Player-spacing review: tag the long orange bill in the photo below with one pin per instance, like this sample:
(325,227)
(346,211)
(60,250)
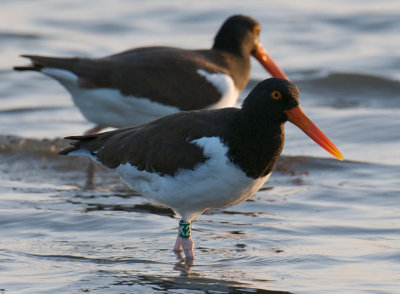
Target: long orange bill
(265,59)
(298,117)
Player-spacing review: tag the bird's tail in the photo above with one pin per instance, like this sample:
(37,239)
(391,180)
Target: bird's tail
(86,143)
(40,62)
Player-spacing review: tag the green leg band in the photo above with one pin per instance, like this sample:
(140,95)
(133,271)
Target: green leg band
(185,229)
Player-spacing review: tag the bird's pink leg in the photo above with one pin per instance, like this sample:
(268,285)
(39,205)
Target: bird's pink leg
(89,185)
(178,248)
(184,241)
(91,167)
(188,245)
(178,244)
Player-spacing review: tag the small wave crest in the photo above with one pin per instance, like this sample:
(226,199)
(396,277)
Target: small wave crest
(346,90)
(19,145)
(7,36)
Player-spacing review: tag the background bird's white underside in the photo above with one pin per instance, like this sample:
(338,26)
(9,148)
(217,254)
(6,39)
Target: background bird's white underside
(108,107)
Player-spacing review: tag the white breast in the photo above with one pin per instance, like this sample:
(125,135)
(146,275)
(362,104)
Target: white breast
(216,183)
(225,85)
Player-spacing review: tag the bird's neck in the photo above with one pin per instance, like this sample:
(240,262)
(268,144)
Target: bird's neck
(238,66)
(256,146)
(232,45)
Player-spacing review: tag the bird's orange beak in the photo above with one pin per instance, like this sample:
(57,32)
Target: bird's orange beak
(298,117)
(265,59)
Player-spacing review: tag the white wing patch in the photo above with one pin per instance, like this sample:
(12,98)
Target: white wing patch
(225,85)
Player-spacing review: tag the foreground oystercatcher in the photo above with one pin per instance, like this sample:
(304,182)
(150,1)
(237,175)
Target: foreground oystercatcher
(143,84)
(197,160)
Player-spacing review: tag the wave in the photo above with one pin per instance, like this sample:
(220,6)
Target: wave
(7,36)
(346,90)
(22,110)
(10,144)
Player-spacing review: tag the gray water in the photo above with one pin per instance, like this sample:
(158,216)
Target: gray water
(317,226)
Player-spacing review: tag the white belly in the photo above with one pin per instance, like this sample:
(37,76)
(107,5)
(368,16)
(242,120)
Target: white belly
(217,183)
(107,107)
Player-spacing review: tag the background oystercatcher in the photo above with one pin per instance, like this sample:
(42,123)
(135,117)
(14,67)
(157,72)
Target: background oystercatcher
(197,160)
(143,84)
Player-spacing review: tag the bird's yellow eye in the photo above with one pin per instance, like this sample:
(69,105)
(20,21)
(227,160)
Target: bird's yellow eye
(276,95)
(256,30)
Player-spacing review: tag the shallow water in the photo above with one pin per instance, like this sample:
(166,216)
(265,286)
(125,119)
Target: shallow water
(318,225)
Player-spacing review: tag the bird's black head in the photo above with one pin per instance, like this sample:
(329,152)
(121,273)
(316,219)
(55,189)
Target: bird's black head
(274,101)
(270,99)
(238,35)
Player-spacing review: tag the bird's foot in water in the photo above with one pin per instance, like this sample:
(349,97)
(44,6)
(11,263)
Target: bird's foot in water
(187,245)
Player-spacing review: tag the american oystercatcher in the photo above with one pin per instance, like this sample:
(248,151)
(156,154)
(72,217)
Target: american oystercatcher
(197,160)
(143,84)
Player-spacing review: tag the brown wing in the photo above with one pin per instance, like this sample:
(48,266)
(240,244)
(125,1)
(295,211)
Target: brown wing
(161,146)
